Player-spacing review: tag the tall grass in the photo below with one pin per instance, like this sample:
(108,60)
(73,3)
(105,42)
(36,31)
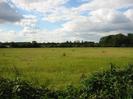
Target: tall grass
(110,84)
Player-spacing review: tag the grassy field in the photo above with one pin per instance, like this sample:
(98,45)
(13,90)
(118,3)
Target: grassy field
(58,67)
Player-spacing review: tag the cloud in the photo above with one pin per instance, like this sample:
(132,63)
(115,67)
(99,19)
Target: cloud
(28,21)
(62,14)
(68,14)
(39,5)
(108,15)
(8,13)
(100,21)
(129,14)
(89,21)
(7,36)
(111,4)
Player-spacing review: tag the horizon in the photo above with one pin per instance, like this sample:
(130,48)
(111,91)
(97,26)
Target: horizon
(63,41)
(64,20)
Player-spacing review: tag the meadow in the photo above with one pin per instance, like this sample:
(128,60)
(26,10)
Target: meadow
(59,67)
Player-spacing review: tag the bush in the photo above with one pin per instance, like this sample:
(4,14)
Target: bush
(111,84)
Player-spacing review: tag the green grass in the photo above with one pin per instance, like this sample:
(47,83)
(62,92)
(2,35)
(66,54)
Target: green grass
(58,67)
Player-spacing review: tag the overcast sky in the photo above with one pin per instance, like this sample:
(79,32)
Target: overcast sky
(64,20)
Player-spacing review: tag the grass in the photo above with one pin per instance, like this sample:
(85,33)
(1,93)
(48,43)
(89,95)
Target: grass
(58,67)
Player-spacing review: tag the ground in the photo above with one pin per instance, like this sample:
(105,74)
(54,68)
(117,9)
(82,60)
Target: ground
(58,67)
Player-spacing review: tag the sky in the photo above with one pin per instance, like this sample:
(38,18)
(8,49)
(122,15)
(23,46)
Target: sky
(64,20)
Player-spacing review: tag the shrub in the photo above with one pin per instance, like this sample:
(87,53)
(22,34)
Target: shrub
(64,54)
(111,84)
(6,89)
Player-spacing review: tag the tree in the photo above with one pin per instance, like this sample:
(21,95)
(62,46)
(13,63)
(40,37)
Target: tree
(118,40)
(130,39)
(35,44)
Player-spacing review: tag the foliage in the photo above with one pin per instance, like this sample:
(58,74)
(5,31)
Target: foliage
(110,84)
(118,40)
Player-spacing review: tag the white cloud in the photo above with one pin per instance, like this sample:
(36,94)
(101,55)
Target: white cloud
(7,36)
(40,36)
(63,13)
(108,15)
(28,21)
(39,5)
(111,4)
(129,14)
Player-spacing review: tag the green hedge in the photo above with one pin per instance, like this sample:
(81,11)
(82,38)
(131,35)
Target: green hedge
(111,84)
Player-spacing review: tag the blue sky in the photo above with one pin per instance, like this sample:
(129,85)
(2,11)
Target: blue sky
(64,20)
(75,3)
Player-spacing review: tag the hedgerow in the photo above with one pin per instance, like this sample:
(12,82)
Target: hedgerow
(110,84)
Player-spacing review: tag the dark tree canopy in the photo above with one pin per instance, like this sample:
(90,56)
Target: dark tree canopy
(118,40)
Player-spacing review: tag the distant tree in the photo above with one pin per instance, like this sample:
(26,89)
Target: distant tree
(35,44)
(118,40)
(130,39)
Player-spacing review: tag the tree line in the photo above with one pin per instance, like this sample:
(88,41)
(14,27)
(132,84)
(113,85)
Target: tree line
(118,40)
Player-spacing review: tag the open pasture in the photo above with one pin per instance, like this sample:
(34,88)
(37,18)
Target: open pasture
(58,67)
